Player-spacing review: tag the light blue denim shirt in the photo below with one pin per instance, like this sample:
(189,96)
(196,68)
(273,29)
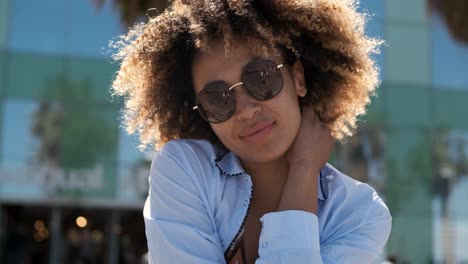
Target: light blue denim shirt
(199,196)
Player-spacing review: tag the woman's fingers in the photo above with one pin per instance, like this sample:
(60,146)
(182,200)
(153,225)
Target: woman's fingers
(313,143)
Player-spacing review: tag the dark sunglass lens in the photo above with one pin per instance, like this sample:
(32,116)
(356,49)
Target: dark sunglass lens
(215,103)
(262,79)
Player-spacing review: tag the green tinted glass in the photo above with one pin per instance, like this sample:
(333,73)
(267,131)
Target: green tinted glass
(450,109)
(407,53)
(94,76)
(4,8)
(35,76)
(408,105)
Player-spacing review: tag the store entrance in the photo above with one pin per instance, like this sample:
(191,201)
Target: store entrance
(49,235)
(25,234)
(85,235)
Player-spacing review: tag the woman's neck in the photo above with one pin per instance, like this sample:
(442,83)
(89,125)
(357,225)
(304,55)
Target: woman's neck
(268,181)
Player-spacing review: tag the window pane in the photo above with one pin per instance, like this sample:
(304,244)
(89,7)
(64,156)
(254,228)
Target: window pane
(90,135)
(408,106)
(52,150)
(450,212)
(406,11)
(374,7)
(450,59)
(409,194)
(362,157)
(89,148)
(133,182)
(407,54)
(375,29)
(94,77)
(4,16)
(128,148)
(39,26)
(2,71)
(376,110)
(408,155)
(19,144)
(450,109)
(92,27)
(134,168)
(35,76)
(20,148)
(375,26)
(411,237)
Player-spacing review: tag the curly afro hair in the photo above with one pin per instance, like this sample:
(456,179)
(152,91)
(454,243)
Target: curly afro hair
(156,59)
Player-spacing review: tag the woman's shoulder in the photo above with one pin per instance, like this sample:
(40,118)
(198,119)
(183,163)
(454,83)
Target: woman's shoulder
(190,147)
(360,197)
(353,214)
(189,161)
(195,157)
(340,179)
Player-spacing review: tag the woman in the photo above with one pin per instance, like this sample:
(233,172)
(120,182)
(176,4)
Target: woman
(246,99)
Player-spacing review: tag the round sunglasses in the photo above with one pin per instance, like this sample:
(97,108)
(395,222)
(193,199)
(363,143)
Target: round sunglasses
(262,79)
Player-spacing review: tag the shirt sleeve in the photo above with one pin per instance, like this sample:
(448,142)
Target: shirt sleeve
(293,237)
(178,226)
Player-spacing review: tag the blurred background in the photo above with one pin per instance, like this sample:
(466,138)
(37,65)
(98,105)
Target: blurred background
(73,184)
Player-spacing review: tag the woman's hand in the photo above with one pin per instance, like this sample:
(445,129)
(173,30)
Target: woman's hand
(313,144)
(306,156)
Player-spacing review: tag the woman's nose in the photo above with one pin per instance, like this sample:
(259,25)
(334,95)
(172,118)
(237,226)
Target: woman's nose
(246,106)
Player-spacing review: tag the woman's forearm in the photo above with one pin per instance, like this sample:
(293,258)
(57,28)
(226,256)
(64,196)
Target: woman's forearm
(301,190)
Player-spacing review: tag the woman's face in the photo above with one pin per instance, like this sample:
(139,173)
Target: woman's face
(258,131)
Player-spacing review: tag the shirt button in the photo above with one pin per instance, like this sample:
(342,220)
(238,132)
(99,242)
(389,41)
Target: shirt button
(265,244)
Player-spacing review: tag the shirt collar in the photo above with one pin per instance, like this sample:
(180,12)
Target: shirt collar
(230,165)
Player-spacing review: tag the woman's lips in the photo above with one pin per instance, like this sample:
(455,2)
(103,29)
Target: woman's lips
(258,132)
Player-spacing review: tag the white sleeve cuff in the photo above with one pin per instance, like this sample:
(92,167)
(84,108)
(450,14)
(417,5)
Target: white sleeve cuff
(288,230)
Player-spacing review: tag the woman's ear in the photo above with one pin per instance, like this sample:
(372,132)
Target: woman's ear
(299,79)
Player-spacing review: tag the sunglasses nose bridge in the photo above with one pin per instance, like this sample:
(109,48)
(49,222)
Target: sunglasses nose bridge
(246,105)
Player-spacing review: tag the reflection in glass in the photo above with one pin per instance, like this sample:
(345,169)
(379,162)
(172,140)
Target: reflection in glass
(91,28)
(98,76)
(35,76)
(58,148)
(39,26)
(362,157)
(19,146)
(134,169)
(31,149)
(4,17)
(3,67)
(450,212)
(47,126)
(450,58)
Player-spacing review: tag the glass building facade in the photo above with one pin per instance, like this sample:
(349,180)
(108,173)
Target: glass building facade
(62,153)
(72,183)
